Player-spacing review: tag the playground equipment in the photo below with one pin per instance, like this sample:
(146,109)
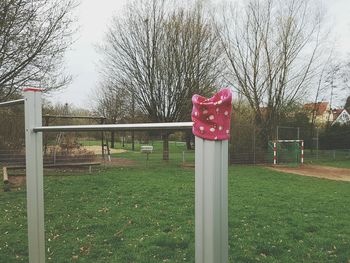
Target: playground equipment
(105,151)
(211,168)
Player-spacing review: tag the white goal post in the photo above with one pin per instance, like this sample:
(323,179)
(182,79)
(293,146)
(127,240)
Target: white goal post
(276,142)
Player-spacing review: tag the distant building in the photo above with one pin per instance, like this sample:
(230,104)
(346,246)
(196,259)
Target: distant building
(341,116)
(322,111)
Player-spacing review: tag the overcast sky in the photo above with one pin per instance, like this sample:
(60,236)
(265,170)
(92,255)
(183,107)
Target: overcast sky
(95,16)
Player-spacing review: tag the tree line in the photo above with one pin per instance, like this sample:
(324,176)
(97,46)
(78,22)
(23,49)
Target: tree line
(158,53)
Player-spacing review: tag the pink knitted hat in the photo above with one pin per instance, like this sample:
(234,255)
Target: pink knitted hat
(212,116)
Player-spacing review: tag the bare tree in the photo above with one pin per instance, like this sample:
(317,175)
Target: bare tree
(272,47)
(163,55)
(112,102)
(34,36)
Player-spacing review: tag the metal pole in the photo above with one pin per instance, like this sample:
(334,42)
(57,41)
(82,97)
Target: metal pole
(11,103)
(211,201)
(298,133)
(117,127)
(34,175)
(275,153)
(317,146)
(254,147)
(102,141)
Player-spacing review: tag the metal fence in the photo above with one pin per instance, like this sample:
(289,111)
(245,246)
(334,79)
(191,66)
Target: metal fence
(321,144)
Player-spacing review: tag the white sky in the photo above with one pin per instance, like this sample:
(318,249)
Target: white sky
(95,16)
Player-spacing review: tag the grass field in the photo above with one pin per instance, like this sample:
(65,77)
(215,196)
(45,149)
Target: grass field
(146,214)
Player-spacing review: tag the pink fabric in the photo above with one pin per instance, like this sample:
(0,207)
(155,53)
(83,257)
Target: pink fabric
(212,116)
(34,89)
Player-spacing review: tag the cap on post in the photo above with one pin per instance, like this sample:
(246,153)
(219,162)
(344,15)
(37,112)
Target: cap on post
(33,89)
(212,116)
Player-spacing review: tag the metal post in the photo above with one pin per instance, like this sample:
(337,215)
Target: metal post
(317,145)
(254,147)
(34,175)
(102,141)
(275,153)
(302,152)
(298,133)
(211,201)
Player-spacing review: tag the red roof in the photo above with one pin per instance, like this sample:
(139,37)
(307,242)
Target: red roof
(336,113)
(319,107)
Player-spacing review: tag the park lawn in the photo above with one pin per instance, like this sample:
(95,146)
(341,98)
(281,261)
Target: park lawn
(90,142)
(146,214)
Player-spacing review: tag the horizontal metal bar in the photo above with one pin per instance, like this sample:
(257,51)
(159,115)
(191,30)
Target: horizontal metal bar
(11,103)
(288,141)
(117,127)
(287,127)
(73,117)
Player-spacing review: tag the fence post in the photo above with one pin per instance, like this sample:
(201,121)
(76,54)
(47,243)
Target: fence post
(211,201)
(317,145)
(34,176)
(254,146)
(298,133)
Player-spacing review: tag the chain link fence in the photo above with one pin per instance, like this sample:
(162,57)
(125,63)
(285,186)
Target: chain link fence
(325,144)
(246,146)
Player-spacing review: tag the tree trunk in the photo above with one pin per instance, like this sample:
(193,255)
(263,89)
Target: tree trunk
(188,140)
(133,140)
(165,146)
(112,139)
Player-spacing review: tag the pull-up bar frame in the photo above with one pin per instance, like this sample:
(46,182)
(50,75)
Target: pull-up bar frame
(211,186)
(11,103)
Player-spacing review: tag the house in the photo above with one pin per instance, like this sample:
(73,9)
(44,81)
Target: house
(341,116)
(322,111)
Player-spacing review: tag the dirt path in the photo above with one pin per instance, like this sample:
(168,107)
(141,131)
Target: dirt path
(97,149)
(326,172)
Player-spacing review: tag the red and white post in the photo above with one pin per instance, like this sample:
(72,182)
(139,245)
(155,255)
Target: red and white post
(302,153)
(274,153)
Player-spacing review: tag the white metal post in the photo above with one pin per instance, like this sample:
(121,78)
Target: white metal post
(34,176)
(275,153)
(211,201)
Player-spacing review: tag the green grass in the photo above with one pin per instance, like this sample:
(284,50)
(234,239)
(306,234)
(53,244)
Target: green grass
(90,142)
(337,158)
(146,214)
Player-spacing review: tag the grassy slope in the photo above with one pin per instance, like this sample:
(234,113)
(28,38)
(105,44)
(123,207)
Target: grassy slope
(146,214)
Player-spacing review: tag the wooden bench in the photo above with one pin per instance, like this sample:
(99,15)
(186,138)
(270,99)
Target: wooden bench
(18,167)
(49,165)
